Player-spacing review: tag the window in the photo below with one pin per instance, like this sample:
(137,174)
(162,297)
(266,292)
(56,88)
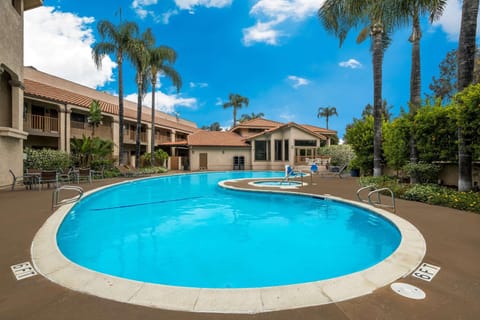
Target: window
(77,117)
(262,150)
(278,150)
(286,157)
(305,143)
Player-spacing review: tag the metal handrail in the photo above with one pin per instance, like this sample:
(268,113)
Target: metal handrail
(56,196)
(378,201)
(371,187)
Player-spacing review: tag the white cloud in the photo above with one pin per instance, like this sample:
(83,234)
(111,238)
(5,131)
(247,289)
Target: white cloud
(198,84)
(450,21)
(191,4)
(60,43)
(219,102)
(139,6)
(287,116)
(271,14)
(262,32)
(164,102)
(298,81)
(167,15)
(350,63)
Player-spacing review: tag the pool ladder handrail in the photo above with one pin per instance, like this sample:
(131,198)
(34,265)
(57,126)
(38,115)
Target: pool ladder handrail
(378,201)
(56,196)
(288,176)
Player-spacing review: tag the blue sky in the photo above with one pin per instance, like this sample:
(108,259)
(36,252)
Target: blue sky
(275,52)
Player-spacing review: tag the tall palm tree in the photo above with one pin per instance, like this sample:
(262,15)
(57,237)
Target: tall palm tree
(327,112)
(411,11)
(377,18)
(159,57)
(139,55)
(466,63)
(235,101)
(115,40)
(94,115)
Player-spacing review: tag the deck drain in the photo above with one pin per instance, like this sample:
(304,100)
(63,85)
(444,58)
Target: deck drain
(23,270)
(408,291)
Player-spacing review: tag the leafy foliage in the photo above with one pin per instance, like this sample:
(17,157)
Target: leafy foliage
(246,117)
(386,110)
(46,159)
(215,126)
(359,136)
(395,144)
(87,150)
(422,172)
(95,115)
(327,112)
(339,154)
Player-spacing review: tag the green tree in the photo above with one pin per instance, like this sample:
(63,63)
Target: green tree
(386,111)
(139,55)
(215,126)
(253,115)
(235,101)
(161,60)
(377,19)
(466,64)
(395,142)
(88,149)
(326,112)
(94,115)
(359,136)
(114,41)
(445,87)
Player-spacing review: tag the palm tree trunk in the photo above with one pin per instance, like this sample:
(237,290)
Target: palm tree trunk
(234,116)
(466,63)
(415,84)
(120,108)
(377,32)
(152,147)
(326,120)
(139,121)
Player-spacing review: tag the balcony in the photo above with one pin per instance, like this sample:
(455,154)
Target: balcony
(78,129)
(162,139)
(129,136)
(41,125)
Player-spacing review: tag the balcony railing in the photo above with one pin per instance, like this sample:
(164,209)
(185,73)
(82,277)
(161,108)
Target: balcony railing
(129,136)
(78,129)
(41,123)
(162,139)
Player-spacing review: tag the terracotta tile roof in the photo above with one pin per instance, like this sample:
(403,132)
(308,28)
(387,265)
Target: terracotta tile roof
(288,125)
(43,85)
(258,123)
(216,138)
(319,130)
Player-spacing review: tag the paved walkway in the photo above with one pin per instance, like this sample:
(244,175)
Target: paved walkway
(453,243)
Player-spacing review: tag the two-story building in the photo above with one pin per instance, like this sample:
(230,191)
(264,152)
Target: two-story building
(12,134)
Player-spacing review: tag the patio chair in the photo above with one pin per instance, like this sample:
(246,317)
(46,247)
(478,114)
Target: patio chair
(84,174)
(25,180)
(341,170)
(65,175)
(291,173)
(124,171)
(98,174)
(47,177)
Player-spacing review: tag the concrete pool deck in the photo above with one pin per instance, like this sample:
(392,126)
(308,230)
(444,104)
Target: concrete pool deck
(452,239)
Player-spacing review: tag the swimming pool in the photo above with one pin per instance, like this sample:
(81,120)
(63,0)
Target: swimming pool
(276,183)
(297,287)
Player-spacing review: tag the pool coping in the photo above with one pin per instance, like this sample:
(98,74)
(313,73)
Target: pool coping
(51,263)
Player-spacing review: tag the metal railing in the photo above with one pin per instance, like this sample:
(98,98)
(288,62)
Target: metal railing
(378,201)
(56,202)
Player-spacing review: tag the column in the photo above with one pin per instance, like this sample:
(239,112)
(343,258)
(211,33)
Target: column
(173,139)
(17,104)
(149,137)
(116,137)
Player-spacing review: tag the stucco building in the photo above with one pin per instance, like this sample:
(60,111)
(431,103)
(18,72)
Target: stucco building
(12,134)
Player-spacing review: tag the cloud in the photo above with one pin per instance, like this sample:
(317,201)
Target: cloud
(298,81)
(350,63)
(219,102)
(167,15)
(191,4)
(287,116)
(164,102)
(60,43)
(262,32)
(272,14)
(198,84)
(139,6)
(450,21)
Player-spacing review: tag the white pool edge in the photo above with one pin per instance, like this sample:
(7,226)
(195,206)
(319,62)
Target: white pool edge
(50,262)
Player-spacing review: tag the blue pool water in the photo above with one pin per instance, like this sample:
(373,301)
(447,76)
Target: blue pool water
(278,183)
(187,231)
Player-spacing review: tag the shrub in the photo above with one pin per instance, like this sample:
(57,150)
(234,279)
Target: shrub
(46,159)
(339,154)
(423,172)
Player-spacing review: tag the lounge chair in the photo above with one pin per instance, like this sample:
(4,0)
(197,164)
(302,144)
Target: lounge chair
(84,174)
(291,173)
(124,171)
(26,180)
(341,170)
(313,168)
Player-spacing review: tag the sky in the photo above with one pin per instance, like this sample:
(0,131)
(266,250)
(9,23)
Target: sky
(274,52)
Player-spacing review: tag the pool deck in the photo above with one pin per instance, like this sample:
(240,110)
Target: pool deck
(452,237)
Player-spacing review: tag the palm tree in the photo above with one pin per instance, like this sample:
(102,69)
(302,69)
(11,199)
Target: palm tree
(158,58)
(338,17)
(236,101)
(95,115)
(253,115)
(327,112)
(139,55)
(411,11)
(466,63)
(115,40)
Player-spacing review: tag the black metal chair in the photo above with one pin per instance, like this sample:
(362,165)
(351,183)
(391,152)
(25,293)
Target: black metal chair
(25,180)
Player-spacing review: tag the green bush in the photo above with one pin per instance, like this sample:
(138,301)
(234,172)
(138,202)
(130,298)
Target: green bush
(46,159)
(423,172)
(339,154)
(153,170)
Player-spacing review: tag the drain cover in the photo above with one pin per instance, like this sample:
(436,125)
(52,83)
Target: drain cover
(408,291)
